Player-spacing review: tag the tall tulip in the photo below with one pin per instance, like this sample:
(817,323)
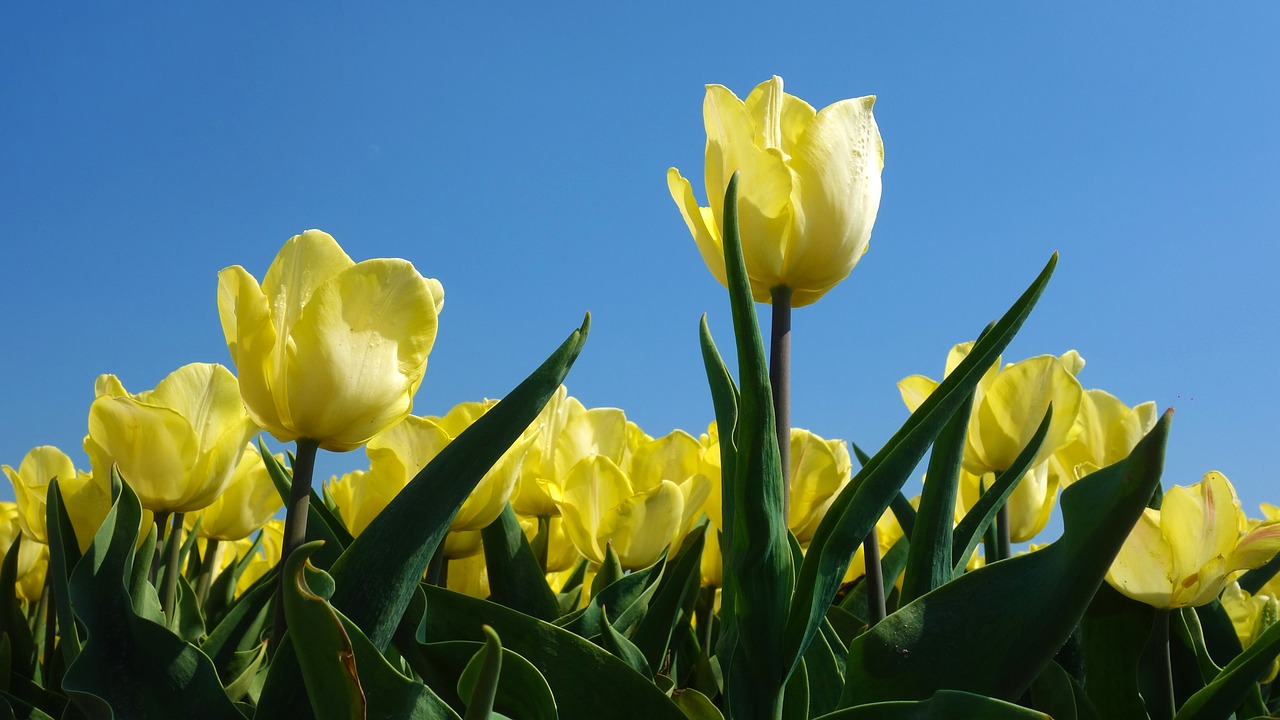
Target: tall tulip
(330,352)
(808,195)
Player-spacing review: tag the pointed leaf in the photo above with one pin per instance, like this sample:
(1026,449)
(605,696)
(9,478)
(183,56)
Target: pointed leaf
(1220,698)
(620,647)
(1114,631)
(483,680)
(670,610)
(515,578)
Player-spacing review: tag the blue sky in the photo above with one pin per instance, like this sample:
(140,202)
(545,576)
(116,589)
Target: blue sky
(519,155)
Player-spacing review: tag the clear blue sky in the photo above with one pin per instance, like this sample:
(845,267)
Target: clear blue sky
(519,155)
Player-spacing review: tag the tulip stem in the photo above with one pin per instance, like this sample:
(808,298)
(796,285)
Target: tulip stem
(208,564)
(874,579)
(161,519)
(171,570)
(438,568)
(295,525)
(1004,548)
(1163,704)
(542,541)
(780,382)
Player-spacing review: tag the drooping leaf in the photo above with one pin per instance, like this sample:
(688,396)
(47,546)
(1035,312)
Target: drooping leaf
(857,508)
(993,630)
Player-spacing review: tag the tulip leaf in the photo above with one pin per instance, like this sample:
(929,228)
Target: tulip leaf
(856,509)
(1114,631)
(345,675)
(515,578)
(695,705)
(977,521)
(12,707)
(901,507)
(1253,580)
(130,667)
(757,554)
(146,602)
(626,602)
(671,608)
(609,572)
(1186,625)
(64,553)
(1052,694)
(943,705)
(825,675)
(221,596)
(993,630)
(479,682)
(378,573)
(25,691)
(522,693)
(929,563)
(239,631)
(12,623)
(622,648)
(1232,686)
(320,523)
(564,659)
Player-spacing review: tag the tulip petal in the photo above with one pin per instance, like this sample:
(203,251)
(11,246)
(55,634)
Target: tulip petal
(204,393)
(1256,548)
(818,472)
(673,457)
(592,487)
(358,352)
(701,223)
(1200,522)
(770,107)
(1012,408)
(1141,569)
(306,262)
(837,166)
(641,526)
(915,389)
(251,339)
(153,446)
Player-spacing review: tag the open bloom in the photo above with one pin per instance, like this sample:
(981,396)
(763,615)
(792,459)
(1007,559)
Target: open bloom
(86,498)
(808,193)
(328,349)
(247,503)
(1185,553)
(176,445)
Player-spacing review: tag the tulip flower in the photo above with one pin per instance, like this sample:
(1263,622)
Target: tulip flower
(177,445)
(248,501)
(33,556)
(808,194)
(673,457)
(1250,616)
(569,432)
(1108,432)
(1185,553)
(328,350)
(86,499)
(562,556)
(601,506)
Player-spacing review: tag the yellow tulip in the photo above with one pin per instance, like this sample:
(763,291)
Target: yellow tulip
(33,556)
(266,557)
(808,193)
(601,506)
(87,501)
(462,544)
(247,502)
(178,445)
(562,556)
(568,433)
(469,575)
(674,457)
(328,350)
(1108,432)
(1251,615)
(1185,553)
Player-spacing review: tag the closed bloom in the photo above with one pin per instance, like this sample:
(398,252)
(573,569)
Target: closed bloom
(1251,615)
(248,501)
(808,193)
(328,349)
(1185,553)
(1108,432)
(176,445)
(87,500)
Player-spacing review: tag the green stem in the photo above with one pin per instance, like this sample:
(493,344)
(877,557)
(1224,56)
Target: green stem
(1004,548)
(169,599)
(50,609)
(542,541)
(874,579)
(208,565)
(161,520)
(1162,706)
(438,568)
(295,526)
(780,383)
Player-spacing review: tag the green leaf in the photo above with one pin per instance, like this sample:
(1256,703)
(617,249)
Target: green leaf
(515,578)
(480,685)
(1253,580)
(1052,693)
(1220,698)
(856,509)
(240,631)
(695,705)
(64,553)
(626,601)
(622,648)
(377,574)
(345,676)
(671,608)
(929,563)
(319,518)
(993,630)
(609,572)
(12,623)
(12,707)
(943,705)
(523,692)
(564,659)
(1114,631)
(130,667)
(757,554)
(969,531)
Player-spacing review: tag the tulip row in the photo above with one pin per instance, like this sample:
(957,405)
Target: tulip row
(535,558)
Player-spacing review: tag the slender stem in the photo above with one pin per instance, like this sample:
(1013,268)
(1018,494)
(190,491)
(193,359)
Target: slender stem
(874,579)
(1004,548)
(208,565)
(1164,704)
(542,541)
(295,525)
(169,598)
(780,382)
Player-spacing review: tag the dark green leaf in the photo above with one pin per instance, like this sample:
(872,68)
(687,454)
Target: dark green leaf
(943,705)
(240,631)
(1114,631)
(622,648)
(993,630)
(670,610)
(1051,693)
(1252,581)
(515,578)
(695,705)
(523,692)
(12,623)
(856,509)
(1220,698)
(480,685)
(64,553)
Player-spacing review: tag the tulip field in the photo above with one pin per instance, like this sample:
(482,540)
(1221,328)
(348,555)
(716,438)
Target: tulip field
(533,558)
